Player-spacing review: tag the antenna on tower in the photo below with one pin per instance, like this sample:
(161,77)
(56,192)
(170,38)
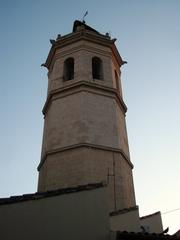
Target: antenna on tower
(86,13)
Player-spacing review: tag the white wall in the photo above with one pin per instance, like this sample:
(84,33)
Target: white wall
(126,221)
(152,223)
(73,216)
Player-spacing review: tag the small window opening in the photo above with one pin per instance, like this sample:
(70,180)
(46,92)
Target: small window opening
(117,80)
(97,68)
(69,69)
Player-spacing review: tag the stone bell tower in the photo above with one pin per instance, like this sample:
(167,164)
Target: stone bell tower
(85,138)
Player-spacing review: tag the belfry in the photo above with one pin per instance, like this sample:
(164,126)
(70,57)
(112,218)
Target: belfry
(85,137)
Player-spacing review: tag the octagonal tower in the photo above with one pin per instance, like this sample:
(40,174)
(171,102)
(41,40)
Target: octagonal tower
(85,137)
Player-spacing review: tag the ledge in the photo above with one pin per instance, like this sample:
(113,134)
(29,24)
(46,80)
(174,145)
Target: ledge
(88,145)
(84,86)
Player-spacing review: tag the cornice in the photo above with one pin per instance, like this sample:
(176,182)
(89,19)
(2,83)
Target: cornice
(82,35)
(87,145)
(81,47)
(86,87)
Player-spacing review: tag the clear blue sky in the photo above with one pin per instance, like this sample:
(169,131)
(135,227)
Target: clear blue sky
(148,36)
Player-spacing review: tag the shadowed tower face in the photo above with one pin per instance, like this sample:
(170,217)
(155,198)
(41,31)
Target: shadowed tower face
(85,138)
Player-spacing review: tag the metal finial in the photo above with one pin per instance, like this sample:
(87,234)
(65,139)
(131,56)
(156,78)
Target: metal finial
(86,13)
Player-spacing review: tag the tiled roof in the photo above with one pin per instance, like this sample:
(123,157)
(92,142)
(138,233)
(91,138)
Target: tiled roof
(40,195)
(144,236)
(177,233)
(125,210)
(150,215)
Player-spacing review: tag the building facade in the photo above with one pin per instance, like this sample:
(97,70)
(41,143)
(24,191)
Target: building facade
(85,188)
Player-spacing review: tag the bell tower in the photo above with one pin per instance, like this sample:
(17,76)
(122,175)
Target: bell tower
(85,138)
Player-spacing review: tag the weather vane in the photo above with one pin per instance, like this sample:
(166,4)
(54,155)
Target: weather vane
(86,13)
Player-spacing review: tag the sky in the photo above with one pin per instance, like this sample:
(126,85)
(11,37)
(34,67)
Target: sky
(148,38)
